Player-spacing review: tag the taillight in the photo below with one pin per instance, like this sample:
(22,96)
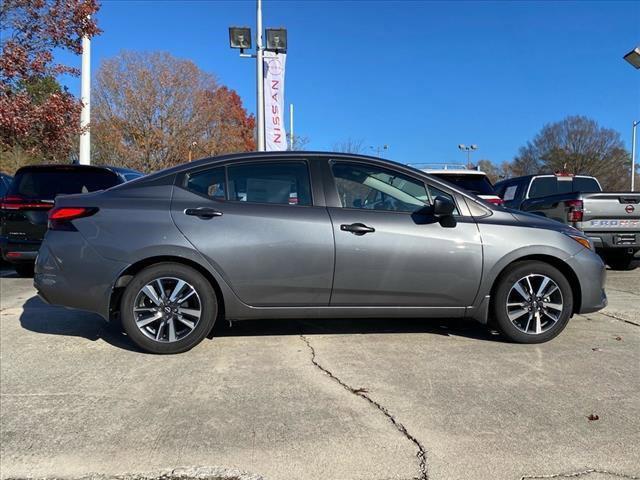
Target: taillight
(60,217)
(16,202)
(574,210)
(495,201)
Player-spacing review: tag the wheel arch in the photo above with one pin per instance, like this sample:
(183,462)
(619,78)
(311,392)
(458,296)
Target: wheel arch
(128,273)
(564,268)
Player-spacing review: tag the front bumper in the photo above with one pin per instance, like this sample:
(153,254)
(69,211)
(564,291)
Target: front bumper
(615,240)
(69,272)
(592,274)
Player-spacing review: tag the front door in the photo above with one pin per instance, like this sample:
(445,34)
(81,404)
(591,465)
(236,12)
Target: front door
(386,255)
(257,225)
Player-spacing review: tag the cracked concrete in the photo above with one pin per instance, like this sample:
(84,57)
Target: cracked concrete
(592,473)
(421,454)
(182,473)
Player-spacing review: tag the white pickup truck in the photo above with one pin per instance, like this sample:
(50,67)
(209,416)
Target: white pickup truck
(610,219)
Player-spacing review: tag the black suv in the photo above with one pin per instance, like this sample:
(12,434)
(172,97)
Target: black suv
(31,194)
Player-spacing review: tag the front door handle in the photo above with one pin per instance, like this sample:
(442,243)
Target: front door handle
(203,212)
(357,228)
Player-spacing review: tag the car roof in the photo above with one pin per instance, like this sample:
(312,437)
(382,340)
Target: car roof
(537,175)
(454,172)
(76,167)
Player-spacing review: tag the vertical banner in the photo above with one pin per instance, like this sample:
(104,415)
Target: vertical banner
(275,134)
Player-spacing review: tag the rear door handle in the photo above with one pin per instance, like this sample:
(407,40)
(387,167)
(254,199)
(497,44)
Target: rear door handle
(357,228)
(203,212)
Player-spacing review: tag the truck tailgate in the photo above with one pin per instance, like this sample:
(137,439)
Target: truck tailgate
(611,211)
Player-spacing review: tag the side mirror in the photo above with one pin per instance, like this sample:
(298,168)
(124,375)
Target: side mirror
(443,207)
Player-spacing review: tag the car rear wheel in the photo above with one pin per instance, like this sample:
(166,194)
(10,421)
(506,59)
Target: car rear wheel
(168,308)
(533,302)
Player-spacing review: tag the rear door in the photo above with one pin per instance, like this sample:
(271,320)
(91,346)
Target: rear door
(401,259)
(261,226)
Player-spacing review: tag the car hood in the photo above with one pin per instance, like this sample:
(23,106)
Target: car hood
(539,221)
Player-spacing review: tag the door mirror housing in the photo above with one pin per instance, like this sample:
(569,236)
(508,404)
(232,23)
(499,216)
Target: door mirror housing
(443,207)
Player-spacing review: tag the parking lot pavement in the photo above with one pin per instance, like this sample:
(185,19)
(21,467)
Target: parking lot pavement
(377,399)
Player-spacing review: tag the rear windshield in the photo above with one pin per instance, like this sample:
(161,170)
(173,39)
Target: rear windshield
(545,186)
(47,184)
(477,184)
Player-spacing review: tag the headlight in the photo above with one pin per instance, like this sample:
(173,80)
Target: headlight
(582,240)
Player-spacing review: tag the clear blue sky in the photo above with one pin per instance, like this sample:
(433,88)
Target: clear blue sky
(421,77)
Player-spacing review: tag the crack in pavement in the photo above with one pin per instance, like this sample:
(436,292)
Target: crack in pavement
(620,319)
(179,473)
(580,473)
(362,393)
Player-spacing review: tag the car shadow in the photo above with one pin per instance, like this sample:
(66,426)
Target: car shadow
(437,326)
(39,317)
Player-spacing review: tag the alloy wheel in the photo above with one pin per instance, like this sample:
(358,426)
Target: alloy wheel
(167,309)
(534,304)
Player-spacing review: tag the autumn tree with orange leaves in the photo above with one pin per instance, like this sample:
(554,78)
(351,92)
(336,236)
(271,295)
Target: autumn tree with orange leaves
(150,110)
(39,120)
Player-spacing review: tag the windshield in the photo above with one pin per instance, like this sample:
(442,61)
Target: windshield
(46,184)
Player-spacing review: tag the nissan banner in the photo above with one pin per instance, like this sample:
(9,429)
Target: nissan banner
(275,135)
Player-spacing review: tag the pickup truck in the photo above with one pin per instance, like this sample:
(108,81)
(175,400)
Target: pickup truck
(610,219)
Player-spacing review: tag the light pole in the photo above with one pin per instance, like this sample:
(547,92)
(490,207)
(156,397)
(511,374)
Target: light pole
(633,57)
(633,155)
(240,37)
(85,96)
(379,148)
(468,149)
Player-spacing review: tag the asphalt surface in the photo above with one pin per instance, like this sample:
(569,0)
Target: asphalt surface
(376,399)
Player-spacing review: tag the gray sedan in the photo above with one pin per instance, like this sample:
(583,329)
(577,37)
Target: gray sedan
(309,234)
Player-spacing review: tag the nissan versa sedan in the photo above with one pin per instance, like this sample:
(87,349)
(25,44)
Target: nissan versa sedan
(306,234)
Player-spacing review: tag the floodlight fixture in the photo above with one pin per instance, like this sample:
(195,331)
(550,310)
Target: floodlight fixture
(633,57)
(240,37)
(277,39)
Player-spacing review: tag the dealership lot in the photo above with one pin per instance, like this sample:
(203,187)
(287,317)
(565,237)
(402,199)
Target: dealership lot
(351,399)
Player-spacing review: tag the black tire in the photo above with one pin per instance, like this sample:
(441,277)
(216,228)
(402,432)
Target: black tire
(24,270)
(206,298)
(623,262)
(506,288)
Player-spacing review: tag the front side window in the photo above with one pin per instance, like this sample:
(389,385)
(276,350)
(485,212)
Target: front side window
(210,183)
(283,183)
(374,188)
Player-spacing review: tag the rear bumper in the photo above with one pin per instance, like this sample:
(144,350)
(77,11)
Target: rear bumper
(592,274)
(19,251)
(69,272)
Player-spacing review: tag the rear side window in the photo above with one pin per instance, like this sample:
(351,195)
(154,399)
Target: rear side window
(46,184)
(283,183)
(210,183)
(476,184)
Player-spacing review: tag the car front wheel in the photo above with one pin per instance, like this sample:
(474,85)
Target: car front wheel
(168,308)
(533,302)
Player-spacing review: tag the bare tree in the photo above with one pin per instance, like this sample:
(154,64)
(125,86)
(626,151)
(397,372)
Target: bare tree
(580,146)
(298,143)
(150,108)
(349,145)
